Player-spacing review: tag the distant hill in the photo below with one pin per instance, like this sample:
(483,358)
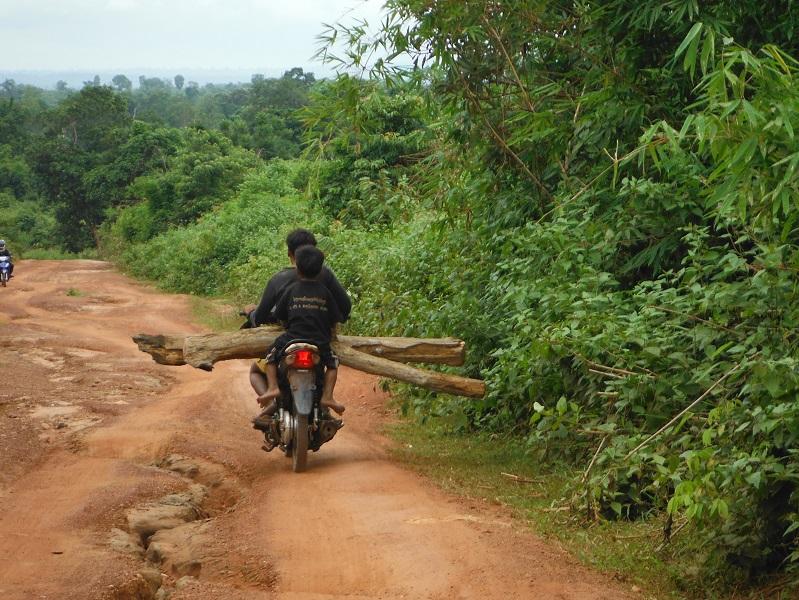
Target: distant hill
(48,79)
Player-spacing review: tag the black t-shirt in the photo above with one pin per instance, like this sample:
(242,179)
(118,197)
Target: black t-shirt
(308,310)
(277,285)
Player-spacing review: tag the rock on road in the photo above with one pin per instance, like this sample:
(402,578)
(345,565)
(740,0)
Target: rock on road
(124,479)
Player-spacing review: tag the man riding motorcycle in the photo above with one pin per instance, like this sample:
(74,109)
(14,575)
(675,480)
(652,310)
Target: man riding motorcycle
(264,312)
(5,252)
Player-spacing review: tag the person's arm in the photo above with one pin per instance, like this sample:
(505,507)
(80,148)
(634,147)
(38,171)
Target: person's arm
(264,312)
(339,295)
(260,313)
(333,312)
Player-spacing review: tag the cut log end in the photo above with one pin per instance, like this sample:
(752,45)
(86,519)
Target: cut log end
(165,349)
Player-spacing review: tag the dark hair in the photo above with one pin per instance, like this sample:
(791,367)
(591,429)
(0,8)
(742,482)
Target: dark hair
(309,260)
(299,237)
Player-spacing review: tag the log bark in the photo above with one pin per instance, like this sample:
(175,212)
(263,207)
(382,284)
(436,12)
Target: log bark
(438,351)
(202,351)
(432,380)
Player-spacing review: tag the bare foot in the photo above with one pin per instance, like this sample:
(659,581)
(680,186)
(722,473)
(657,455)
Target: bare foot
(268,396)
(332,404)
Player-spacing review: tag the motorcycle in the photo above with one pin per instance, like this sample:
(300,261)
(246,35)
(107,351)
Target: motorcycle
(5,269)
(301,423)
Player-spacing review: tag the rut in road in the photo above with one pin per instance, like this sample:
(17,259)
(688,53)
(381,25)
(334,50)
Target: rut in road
(124,479)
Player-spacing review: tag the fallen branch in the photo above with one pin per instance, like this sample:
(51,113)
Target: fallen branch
(519,479)
(605,374)
(616,370)
(668,541)
(682,412)
(593,460)
(696,318)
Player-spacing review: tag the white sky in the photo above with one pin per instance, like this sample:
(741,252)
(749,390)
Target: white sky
(108,35)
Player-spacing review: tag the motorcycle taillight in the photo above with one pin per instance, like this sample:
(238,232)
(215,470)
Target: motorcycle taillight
(303,359)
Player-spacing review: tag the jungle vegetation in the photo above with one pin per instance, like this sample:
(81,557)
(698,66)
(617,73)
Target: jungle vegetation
(599,197)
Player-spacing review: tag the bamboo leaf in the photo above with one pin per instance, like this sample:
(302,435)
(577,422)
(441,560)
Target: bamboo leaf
(689,38)
(708,49)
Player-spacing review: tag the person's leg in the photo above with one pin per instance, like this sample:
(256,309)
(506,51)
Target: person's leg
(269,397)
(327,393)
(264,421)
(258,379)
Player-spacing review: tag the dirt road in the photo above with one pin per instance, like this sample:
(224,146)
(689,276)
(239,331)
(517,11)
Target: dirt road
(124,479)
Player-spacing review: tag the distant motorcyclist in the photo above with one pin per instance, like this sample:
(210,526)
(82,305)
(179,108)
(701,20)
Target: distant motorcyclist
(4,251)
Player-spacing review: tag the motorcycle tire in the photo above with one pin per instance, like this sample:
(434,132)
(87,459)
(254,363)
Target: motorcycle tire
(299,449)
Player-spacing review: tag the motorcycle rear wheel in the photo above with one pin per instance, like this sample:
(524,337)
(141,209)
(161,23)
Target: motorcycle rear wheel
(299,449)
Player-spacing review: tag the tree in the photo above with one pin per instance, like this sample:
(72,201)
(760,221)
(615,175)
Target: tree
(61,86)
(179,79)
(80,138)
(15,175)
(204,171)
(10,88)
(297,74)
(122,83)
(89,118)
(192,90)
(152,83)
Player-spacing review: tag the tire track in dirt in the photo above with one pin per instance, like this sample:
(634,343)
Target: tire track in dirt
(95,440)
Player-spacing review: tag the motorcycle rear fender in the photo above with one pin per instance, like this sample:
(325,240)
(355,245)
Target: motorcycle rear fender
(303,386)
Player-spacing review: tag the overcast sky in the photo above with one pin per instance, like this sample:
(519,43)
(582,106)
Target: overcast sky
(107,35)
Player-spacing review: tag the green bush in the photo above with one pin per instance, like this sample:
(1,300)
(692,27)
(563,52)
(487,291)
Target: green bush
(231,250)
(26,225)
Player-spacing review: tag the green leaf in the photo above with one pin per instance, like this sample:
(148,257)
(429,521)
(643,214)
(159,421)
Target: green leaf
(707,437)
(754,479)
(745,152)
(707,49)
(755,118)
(689,38)
(562,405)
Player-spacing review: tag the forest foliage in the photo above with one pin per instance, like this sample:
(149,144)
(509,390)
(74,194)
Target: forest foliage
(600,198)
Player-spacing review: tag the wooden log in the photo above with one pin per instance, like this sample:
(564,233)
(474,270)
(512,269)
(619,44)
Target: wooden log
(202,351)
(432,380)
(438,351)
(165,349)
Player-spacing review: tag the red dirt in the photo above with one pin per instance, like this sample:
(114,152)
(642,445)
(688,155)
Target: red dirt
(84,418)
